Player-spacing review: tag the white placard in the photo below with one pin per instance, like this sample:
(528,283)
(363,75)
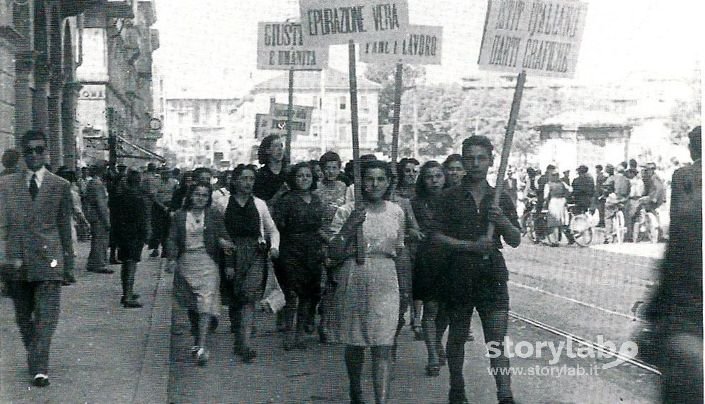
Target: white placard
(281,46)
(420,44)
(334,22)
(539,36)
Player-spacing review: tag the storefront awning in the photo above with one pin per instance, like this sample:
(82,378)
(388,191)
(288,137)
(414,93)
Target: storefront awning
(127,149)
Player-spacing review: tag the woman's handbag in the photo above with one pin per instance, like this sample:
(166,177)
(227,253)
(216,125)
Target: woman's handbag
(274,299)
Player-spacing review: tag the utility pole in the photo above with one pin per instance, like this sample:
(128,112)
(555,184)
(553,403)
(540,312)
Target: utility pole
(415,150)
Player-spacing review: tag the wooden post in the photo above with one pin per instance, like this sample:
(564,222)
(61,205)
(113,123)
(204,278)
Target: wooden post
(507,147)
(289,116)
(359,247)
(395,123)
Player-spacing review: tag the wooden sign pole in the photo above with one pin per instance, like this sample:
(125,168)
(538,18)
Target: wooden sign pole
(359,246)
(395,123)
(289,115)
(507,147)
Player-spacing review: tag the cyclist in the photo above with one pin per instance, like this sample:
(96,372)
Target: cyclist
(655,193)
(616,187)
(583,190)
(631,208)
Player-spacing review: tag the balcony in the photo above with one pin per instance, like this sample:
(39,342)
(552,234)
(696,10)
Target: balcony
(120,9)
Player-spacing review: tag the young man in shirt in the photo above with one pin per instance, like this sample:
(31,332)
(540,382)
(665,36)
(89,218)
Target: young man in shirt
(476,273)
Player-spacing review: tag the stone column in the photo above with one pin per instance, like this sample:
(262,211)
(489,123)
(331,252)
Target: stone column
(56,142)
(68,119)
(24,61)
(40,102)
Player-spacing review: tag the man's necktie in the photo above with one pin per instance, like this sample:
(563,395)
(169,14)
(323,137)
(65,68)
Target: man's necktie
(33,187)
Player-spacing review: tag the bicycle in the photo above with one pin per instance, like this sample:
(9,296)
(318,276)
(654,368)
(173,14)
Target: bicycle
(645,223)
(581,226)
(533,223)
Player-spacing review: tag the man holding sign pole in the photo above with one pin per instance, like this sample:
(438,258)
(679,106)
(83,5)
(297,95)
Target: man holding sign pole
(477,274)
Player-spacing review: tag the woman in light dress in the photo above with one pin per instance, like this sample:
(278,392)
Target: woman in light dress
(196,233)
(555,194)
(366,300)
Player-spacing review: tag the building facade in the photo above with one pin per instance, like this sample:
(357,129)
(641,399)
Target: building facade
(39,53)
(198,131)
(115,101)
(328,92)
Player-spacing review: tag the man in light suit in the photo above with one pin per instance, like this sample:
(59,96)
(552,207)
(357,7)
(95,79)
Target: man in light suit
(98,215)
(36,251)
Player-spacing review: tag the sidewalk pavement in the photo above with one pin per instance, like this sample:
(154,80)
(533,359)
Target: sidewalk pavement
(101,352)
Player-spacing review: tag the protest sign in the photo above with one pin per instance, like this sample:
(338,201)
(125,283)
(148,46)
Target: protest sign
(274,123)
(541,37)
(419,44)
(281,46)
(334,22)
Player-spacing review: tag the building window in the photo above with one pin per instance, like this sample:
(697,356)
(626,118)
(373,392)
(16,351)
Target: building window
(217,113)
(316,102)
(342,102)
(363,133)
(363,104)
(342,133)
(315,130)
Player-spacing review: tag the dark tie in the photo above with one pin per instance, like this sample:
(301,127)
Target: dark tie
(33,187)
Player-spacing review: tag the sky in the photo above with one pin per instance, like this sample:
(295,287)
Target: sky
(209,46)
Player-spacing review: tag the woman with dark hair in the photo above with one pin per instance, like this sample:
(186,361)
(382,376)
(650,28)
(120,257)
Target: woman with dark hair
(555,194)
(195,234)
(299,218)
(317,170)
(331,191)
(271,177)
(367,294)
(407,171)
(130,235)
(270,184)
(255,238)
(177,199)
(455,171)
(428,271)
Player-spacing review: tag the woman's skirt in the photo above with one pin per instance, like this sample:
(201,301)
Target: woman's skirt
(301,258)
(429,269)
(250,263)
(557,214)
(197,282)
(366,303)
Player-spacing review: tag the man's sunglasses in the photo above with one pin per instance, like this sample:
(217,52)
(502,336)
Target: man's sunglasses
(35,150)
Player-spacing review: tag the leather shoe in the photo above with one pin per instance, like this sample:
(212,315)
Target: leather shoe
(68,280)
(40,380)
(131,303)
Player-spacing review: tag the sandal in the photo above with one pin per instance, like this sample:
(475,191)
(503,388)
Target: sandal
(433,370)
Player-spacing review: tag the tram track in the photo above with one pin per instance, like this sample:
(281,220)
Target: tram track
(584,342)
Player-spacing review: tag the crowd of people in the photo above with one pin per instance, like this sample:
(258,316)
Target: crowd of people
(627,187)
(357,262)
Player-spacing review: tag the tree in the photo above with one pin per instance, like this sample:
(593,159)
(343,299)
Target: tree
(383,73)
(435,107)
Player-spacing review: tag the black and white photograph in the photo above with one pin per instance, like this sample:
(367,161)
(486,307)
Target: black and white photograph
(351,201)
